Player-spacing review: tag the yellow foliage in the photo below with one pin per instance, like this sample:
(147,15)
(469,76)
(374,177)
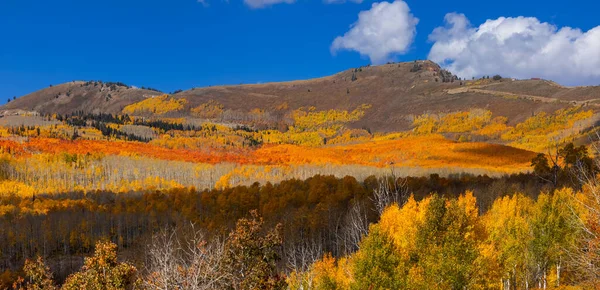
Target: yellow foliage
(243,174)
(425,124)
(90,133)
(51,174)
(313,139)
(538,133)
(401,224)
(210,110)
(9,187)
(535,133)
(349,136)
(207,136)
(272,136)
(390,136)
(158,105)
(468,203)
(459,122)
(327,273)
(463,122)
(313,128)
(223,182)
(309,119)
(495,128)
(508,229)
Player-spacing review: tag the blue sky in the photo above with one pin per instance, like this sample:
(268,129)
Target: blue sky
(179,44)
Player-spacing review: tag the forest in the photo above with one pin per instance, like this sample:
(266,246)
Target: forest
(296,199)
(323,233)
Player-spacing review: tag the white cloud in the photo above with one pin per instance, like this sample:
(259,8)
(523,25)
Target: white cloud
(521,47)
(264,3)
(386,29)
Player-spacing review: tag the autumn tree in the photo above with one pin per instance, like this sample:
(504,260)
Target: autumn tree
(327,273)
(541,168)
(377,264)
(510,236)
(323,275)
(564,165)
(554,235)
(434,243)
(576,158)
(447,244)
(103,271)
(38,276)
(251,256)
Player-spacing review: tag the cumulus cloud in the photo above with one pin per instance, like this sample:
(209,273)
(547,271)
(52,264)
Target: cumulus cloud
(521,47)
(264,3)
(384,30)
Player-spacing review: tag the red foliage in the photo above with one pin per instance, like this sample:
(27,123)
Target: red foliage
(48,145)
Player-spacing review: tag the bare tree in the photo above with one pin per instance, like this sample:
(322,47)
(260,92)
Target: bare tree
(586,256)
(390,190)
(174,262)
(300,256)
(356,226)
(555,169)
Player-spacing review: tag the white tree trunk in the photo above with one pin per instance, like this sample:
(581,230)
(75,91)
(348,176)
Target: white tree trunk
(558,266)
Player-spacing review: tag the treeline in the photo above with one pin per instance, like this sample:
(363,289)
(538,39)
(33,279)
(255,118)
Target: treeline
(111,132)
(113,86)
(23,130)
(437,243)
(320,212)
(103,122)
(164,126)
(82,119)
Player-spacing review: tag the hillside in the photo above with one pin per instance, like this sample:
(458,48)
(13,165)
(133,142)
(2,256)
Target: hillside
(392,157)
(395,92)
(93,97)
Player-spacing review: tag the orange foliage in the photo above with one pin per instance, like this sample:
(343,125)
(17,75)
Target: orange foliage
(56,146)
(430,151)
(11,147)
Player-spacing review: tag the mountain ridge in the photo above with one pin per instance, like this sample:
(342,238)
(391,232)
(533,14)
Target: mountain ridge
(396,92)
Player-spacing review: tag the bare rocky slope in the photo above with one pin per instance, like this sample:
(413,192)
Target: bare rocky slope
(93,97)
